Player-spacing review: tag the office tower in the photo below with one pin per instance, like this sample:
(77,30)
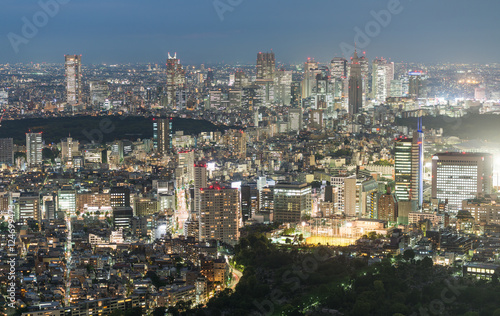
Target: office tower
(338,73)
(236,140)
(409,156)
(311,70)
(69,148)
(6,151)
(338,68)
(417,85)
(316,119)
(295,120)
(387,207)
(73,68)
(28,207)
(220,214)
(120,196)
(200,181)
(66,200)
(162,135)
(122,216)
(249,202)
(240,79)
(355,86)
(382,76)
(176,79)
(292,201)
(186,161)
(34,149)
(266,66)
(283,87)
(461,176)
(322,94)
(296,94)
(99,93)
(396,89)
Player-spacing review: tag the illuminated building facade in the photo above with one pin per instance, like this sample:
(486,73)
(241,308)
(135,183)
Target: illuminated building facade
(162,135)
(34,148)
(292,201)
(220,214)
(355,86)
(73,69)
(461,176)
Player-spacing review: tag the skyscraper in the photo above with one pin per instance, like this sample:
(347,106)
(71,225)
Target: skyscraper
(409,155)
(34,149)
(266,66)
(162,135)
(382,76)
(417,85)
(6,151)
(311,70)
(292,201)
(460,176)
(355,86)
(220,214)
(200,181)
(176,79)
(73,68)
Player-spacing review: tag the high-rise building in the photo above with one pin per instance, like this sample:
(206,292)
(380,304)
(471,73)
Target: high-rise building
(417,85)
(295,120)
(99,92)
(355,86)
(338,73)
(461,176)
(34,149)
(249,202)
(66,200)
(28,207)
(409,155)
(311,70)
(176,79)
(296,94)
(292,201)
(73,68)
(6,151)
(162,135)
(220,214)
(200,181)
(266,66)
(382,76)
(387,207)
(236,141)
(120,196)
(69,148)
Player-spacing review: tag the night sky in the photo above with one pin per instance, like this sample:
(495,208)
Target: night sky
(121,31)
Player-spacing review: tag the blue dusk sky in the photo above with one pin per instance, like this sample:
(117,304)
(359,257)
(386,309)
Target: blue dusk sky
(234,31)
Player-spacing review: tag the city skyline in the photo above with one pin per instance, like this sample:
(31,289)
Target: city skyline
(232,34)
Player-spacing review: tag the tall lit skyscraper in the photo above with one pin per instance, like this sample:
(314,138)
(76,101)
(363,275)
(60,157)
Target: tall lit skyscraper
(409,156)
(311,70)
(176,79)
(461,176)
(355,86)
(338,71)
(73,68)
(220,214)
(382,76)
(200,181)
(34,149)
(162,135)
(266,66)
